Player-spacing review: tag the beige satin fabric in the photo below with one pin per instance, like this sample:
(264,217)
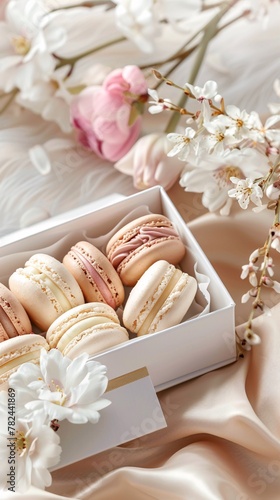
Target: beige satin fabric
(222,441)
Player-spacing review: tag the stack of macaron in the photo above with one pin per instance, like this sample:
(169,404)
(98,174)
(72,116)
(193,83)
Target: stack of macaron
(77,303)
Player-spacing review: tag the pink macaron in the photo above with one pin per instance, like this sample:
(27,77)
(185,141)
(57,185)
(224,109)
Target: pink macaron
(46,289)
(139,244)
(96,276)
(159,300)
(14,320)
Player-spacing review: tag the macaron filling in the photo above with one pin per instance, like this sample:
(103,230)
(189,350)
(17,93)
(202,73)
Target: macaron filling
(100,283)
(47,283)
(144,328)
(7,324)
(79,327)
(24,358)
(146,235)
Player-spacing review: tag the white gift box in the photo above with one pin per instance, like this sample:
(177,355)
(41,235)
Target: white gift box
(202,342)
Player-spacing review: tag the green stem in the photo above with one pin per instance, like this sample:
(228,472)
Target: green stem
(271,172)
(209,33)
(86,4)
(72,60)
(11,97)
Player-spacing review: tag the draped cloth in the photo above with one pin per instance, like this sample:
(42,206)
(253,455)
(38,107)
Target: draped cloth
(222,440)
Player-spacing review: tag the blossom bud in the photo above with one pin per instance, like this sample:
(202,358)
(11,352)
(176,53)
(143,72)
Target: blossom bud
(267,281)
(251,337)
(254,256)
(273,191)
(149,164)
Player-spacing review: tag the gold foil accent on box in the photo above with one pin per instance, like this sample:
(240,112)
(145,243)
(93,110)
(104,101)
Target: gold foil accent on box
(127,378)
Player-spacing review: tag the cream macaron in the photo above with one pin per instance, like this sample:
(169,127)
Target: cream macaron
(18,350)
(14,320)
(96,276)
(45,288)
(139,244)
(159,300)
(92,327)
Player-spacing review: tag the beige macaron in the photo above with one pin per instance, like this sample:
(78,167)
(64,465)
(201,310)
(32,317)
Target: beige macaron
(45,288)
(139,244)
(159,300)
(92,327)
(18,350)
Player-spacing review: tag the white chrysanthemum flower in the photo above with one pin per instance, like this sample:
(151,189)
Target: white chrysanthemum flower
(138,21)
(27,43)
(211,175)
(49,99)
(62,388)
(245,191)
(184,144)
(33,444)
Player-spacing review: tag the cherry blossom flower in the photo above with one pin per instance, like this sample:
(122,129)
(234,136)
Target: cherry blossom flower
(27,43)
(238,122)
(249,270)
(36,447)
(208,91)
(260,132)
(220,136)
(270,283)
(184,144)
(158,105)
(149,163)
(61,388)
(245,191)
(248,295)
(268,265)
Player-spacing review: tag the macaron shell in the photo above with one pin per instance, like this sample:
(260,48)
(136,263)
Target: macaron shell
(18,350)
(176,305)
(45,288)
(76,315)
(96,276)
(13,317)
(166,246)
(132,268)
(97,340)
(160,299)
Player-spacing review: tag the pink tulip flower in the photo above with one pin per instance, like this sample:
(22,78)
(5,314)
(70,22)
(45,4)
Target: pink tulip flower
(101,113)
(148,163)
